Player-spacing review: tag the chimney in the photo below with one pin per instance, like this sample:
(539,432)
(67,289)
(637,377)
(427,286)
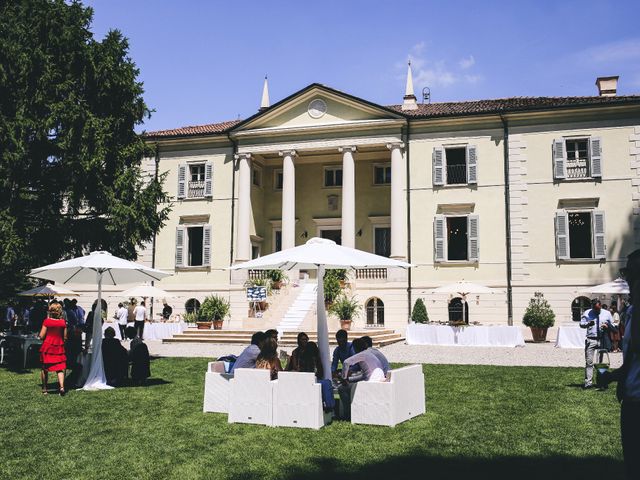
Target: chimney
(607,86)
(409,101)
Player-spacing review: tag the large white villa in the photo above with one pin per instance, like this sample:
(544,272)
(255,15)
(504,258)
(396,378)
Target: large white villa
(521,194)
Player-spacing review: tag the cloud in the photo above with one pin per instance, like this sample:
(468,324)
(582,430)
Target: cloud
(437,72)
(466,63)
(623,50)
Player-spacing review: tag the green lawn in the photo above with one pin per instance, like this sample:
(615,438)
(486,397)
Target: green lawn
(481,422)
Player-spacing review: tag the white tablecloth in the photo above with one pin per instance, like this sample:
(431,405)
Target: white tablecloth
(472,336)
(153,331)
(571,337)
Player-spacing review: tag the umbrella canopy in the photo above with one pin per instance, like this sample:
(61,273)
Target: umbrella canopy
(97,268)
(145,291)
(464,288)
(320,254)
(48,290)
(617,287)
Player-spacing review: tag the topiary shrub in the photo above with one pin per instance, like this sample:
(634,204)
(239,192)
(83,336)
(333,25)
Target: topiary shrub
(539,313)
(419,313)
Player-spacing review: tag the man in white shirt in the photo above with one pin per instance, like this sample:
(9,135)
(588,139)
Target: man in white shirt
(140,313)
(598,323)
(121,317)
(383,360)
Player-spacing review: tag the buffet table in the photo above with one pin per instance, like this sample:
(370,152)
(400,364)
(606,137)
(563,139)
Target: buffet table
(153,330)
(571,337)
(471,336)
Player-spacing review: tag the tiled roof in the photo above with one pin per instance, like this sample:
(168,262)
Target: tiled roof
(471,107)
(221,127)
(438,110)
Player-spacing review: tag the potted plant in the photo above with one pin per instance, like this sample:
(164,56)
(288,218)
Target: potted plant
(214,309)
(539,317)
(277,277)
(346,309)
(331,286)
(341,275)
(419,313)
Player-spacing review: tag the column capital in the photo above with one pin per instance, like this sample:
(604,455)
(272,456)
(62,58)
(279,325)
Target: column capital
(348,148)
(395,145)
(288,153)
(240,156)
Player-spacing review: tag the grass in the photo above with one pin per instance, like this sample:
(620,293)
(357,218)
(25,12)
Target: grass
(481,422)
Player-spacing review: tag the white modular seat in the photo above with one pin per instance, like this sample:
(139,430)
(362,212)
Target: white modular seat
(388,403)
(217,388)
(251,396)
(297,401)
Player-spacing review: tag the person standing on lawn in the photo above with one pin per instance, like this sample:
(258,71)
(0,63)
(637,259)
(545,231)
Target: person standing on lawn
(598,322)
(52,352)
(140,313)
(121,316)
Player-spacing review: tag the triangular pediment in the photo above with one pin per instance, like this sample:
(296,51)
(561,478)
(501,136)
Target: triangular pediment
(317,106)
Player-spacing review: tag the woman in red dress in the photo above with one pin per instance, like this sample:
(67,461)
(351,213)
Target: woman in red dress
(52,354)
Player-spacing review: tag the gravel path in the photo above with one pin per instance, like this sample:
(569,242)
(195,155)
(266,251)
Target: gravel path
(532,354)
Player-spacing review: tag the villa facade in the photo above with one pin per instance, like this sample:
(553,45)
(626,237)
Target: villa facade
(519,194)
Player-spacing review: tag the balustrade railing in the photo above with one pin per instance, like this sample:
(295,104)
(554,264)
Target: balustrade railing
(196,189)
(371,274)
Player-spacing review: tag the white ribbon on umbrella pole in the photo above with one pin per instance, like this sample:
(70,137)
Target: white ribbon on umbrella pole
(322,327)
(96,378)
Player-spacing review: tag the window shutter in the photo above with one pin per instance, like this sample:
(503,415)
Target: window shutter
(208,179)
(596,157)
(559,159)
(182,181)
(473,238)
(599,242)
(438,166)
(562,235)
(472,164)
(440,238)
(180,243)
(206,246)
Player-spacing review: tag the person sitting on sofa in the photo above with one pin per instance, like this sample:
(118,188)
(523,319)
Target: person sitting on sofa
(247,359)
(139,357)
(268,357)
(309,361)
(383,360)
(293,365)
(343,351)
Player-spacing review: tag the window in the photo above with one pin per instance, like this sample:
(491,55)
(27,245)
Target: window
(277,240)
(382,174)
(255,251)
(193,246)
(332,176)
(580,235)
(455,165)
(278,179)
(375,312)
(577,158)
(578,306)
(456,238)
(382,241)
(458,310)
(195,180)
(256,176)
(192,305)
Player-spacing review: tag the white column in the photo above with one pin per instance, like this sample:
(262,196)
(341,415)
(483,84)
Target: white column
(244,207)
(348,197)
(288,199)
(398,200)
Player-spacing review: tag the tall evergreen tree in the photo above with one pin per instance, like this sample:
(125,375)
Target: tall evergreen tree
(70,159)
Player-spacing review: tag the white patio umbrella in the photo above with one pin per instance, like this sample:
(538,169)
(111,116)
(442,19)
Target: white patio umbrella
(48,290)
(320,254)
(463,289)
(98,267)
(145,291)
(618,287)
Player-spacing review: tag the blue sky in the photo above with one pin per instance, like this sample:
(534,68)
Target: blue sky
(205,61)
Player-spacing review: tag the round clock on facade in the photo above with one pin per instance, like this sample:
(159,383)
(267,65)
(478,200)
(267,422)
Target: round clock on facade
(317,108)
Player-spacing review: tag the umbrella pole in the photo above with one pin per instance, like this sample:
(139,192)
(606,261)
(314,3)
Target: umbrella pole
(96,378)
(322,328)
(464,308)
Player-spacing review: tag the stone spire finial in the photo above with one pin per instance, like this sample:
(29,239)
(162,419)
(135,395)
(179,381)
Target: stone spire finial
(264,104)
(409,102)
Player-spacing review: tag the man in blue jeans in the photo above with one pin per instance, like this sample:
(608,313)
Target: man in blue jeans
(598,323)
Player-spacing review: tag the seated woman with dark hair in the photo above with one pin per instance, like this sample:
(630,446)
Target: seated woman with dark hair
(138,356)
(310,361)
(268,357)
(114,358)
(293,365)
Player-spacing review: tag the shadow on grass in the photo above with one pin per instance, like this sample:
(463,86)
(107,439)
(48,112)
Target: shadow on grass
(431,467)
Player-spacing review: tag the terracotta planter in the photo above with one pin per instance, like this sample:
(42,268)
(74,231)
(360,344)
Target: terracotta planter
(539,334)
(343,284)
(276,285)
(345,324)
(203,325)
(217,324)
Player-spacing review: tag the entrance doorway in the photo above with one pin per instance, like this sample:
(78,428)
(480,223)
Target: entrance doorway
(333,234)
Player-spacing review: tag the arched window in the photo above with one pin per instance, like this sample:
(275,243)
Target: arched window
(375,312)
(578,306)
(192,305)
(455,310)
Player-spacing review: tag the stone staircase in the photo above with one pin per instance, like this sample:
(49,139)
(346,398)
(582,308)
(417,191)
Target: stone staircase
(380,337)
(298,310)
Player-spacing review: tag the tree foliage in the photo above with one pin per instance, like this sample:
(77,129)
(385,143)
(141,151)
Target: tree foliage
(71,177)
(419,313)
(539,313)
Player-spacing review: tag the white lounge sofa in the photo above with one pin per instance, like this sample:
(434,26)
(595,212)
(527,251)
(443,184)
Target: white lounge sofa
(217,387)
(388,403)
(297,401)
(251,396)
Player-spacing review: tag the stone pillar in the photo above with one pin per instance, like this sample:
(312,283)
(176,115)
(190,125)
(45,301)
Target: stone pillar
(244,207)
(288,199)
(348,197)
(398,199)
